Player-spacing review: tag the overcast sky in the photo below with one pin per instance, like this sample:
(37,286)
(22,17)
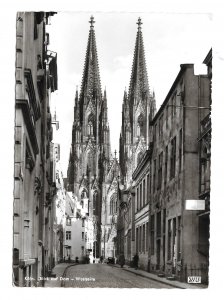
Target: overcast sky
(170,39)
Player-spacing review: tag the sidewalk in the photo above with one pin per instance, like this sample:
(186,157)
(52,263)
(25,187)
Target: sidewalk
(174,284)
(58,271)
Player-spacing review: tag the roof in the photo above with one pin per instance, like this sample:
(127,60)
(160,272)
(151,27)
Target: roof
(183,68)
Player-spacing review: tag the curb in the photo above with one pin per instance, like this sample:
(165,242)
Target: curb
(64,273)
(154,279)
(174,285)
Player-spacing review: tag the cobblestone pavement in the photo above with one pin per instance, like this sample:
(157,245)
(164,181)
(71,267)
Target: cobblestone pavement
(104,276)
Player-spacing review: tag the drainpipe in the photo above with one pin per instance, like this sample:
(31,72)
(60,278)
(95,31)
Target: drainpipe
(183,189)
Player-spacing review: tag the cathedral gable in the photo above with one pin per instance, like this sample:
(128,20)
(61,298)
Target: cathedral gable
(113,186)
(95,185)
(84,183)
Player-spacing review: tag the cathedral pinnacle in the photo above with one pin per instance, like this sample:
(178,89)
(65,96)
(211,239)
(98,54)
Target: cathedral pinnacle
(139,23)
(91,22)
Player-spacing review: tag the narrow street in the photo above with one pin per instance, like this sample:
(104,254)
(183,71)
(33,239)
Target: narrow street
(105,276)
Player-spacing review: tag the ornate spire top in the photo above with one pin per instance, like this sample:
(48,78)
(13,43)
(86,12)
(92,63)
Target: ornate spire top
(91,22)
(91,85)
(139,23)
(138,88)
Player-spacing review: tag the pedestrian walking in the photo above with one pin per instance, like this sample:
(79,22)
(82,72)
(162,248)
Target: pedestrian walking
(122,260)
(135,260)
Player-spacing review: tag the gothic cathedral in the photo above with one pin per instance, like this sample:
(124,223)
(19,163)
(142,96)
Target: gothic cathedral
(92,169)
(94,173)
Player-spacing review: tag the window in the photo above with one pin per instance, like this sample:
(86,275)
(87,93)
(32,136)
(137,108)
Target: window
(140,125)
(175,104)
(160,170)
(154,177)
(148,189)
(140,195)
(173,108)
(173,158)
(169,240)
(164,221)
(140,239)
(90,128)
(158,224)
(152,235)
(166,162)
(95,203)
(167,112)
(137,248)
(137,204)
(68,222)
(82,236)
(155,132)
(144,201)
(161,127)
(113,204)
(69,250)
(90,124)
(179,239)
(83,222)
(143,238)
(174,245)
(147,236)
(84,194)
(68,235)
(180,149)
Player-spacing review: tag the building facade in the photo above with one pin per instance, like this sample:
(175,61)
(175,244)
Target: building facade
(36,79)
(174,224)
(141,209)
(90,151)
(204,141)
(110,210)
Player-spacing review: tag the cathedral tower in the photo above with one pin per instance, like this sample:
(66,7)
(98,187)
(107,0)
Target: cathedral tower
(138,109)
(90,150)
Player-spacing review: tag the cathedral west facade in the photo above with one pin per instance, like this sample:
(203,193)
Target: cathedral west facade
(91,167)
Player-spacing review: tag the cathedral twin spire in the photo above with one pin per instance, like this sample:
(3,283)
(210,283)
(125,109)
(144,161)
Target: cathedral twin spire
(137,110)
(91,85)
(90,111)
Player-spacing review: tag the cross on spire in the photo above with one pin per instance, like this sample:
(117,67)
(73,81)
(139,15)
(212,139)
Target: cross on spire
(139,23)
(91,22)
